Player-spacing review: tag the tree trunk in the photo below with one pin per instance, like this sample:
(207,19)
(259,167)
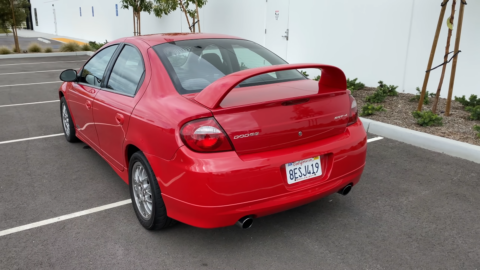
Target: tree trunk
(139,25)
(186,15)
(134,27)
(445,59)
(14,29)
(198,17)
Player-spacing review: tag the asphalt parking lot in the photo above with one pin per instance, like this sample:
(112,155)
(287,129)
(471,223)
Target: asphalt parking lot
(9,42)
(413,209)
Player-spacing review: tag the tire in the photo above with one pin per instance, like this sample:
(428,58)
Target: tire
(67,123)
(146,198)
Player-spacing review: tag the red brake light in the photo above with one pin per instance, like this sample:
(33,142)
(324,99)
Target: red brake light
(205,135)
(352,118)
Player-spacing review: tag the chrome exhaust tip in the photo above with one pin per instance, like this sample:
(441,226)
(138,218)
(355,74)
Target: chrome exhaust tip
(345,190)
(245,222)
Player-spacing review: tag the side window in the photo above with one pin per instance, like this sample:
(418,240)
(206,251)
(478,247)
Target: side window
(93,71)
(127,72)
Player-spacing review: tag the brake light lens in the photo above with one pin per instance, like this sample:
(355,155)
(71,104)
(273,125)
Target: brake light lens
(352,119)
(205,135)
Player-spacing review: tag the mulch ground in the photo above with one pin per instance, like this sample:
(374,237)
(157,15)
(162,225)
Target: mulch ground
(399,110)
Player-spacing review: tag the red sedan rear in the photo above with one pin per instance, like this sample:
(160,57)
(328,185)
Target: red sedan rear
(213,130)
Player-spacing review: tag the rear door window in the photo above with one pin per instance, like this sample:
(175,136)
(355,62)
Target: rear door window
(127,73)
(94,70)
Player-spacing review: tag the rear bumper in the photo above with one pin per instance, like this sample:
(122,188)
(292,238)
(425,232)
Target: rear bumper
(227,215)
(215,190)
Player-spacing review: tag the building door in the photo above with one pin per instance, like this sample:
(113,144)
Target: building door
(277,32)
(55,20)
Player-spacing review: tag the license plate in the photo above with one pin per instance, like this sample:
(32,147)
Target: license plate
(302,170)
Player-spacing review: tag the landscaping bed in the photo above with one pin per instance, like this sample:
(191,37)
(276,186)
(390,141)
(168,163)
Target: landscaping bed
(398,111)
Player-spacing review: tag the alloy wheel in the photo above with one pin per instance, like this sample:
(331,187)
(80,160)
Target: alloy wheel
(142,191)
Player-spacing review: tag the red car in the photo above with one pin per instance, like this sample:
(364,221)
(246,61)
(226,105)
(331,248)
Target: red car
(213,130)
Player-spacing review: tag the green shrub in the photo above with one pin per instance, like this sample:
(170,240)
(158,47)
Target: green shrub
(471,102)
(376,97)
(34,48)
(474,112)
(96,45)
(317,78)
(426,98)
(389,90)
(5,50)
(353,85)
(304,73)
(382,92)
(70,47)
(48,50)
(85,47)
(370,109)
(427,118)
(477,128)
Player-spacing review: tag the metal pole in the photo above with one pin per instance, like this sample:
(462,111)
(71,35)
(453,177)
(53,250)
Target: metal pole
(432,54)
(457,47)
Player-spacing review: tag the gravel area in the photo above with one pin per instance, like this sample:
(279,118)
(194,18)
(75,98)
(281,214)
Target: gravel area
(399,112)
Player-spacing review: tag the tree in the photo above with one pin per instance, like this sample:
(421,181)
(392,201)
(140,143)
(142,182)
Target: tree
(445,58)
(137,6)
(13,14)
(164,7)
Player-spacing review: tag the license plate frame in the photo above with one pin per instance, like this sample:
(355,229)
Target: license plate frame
(302,170)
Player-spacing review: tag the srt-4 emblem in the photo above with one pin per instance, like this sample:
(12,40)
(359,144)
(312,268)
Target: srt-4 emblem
(341,116)
(246,135)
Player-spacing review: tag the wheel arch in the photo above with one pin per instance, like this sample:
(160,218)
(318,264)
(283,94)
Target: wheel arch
(130,149)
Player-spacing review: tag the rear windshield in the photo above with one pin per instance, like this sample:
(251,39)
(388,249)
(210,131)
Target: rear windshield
(195,64)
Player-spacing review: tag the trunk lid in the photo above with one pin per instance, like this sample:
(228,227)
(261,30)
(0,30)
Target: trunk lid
(274,116)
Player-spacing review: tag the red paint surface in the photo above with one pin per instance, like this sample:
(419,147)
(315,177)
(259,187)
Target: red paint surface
(216,189)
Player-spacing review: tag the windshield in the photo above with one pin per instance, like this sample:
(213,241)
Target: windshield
(195,64)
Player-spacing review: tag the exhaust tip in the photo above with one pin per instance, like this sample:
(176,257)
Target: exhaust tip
(345,190)
(245,222)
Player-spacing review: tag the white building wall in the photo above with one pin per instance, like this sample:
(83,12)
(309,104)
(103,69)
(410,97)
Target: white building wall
(370,39)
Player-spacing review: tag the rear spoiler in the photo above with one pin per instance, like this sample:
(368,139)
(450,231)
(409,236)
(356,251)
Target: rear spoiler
(332,80)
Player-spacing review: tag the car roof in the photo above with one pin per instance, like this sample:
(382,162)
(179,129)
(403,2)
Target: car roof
(156,39)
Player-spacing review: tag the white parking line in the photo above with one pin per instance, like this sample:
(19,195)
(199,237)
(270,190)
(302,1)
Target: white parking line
(65,217)
(31,72)
(29,84)
(374,139)
(31,103)
(84,212)
(41,63)
(31,138)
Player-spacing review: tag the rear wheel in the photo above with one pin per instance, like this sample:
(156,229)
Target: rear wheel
(146,196)
(67,123)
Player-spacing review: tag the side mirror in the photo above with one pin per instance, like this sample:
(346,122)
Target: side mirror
(69,75)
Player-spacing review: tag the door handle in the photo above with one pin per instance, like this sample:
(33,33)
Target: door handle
(88,104)
(286,34)
(119,118)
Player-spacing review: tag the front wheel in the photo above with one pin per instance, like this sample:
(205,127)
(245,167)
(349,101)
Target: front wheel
(67,122)
(146,196)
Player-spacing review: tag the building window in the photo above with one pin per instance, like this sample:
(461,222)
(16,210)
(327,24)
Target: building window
(93,13)
(80,11)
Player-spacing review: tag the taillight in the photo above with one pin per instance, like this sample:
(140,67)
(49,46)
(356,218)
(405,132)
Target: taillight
(352,118)
(205,135)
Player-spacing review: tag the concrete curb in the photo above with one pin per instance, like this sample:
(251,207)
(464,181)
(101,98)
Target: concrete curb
(34,55)
(424,140)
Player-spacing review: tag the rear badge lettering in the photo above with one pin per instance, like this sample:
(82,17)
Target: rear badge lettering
(341,116)
(246,135)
